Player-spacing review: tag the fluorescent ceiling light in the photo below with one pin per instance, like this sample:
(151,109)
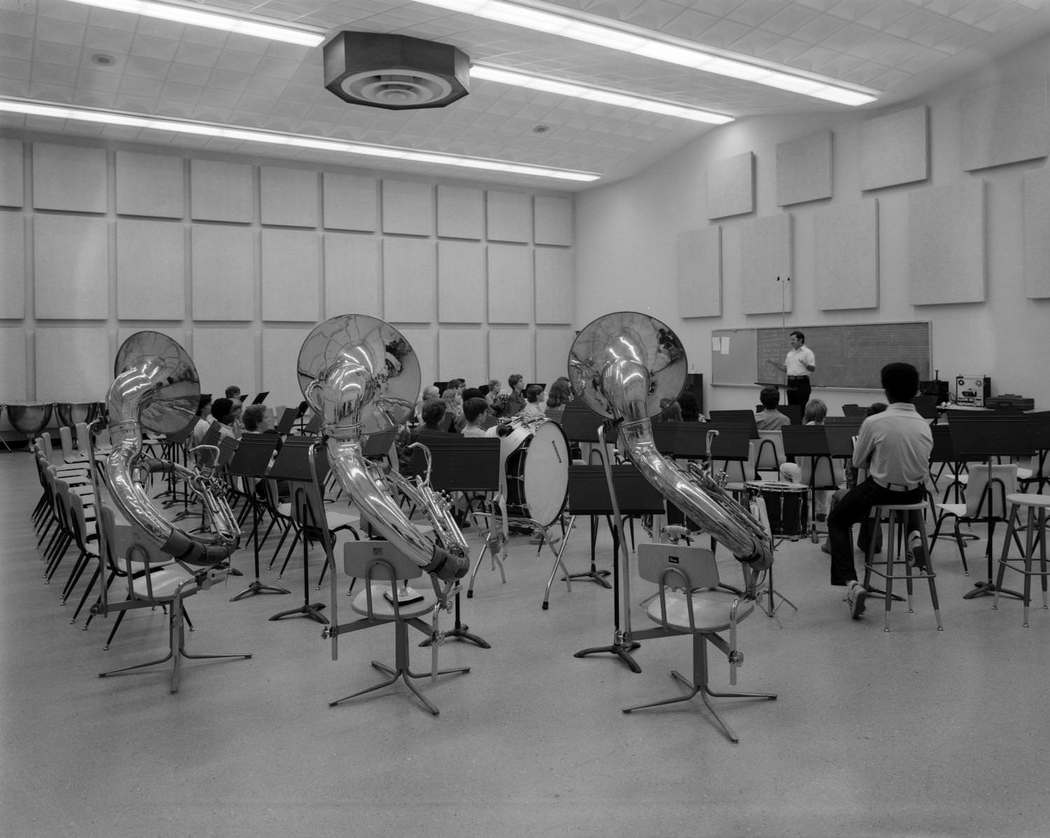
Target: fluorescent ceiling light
(251,135)
(211,20)
(595,94)
(544,17)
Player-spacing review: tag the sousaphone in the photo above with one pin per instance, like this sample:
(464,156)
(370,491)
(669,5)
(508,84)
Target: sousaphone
(622,365)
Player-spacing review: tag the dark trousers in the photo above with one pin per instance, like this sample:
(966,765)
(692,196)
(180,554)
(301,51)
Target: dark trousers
(853,508)
(798,392)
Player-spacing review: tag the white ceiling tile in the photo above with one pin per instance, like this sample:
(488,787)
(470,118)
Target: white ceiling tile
(50,92)
(725,33)
(754,12)
(49,53)
(113,20)
(14,68)
(17,23)
(199,54)
(188,74)
(59,31)
(181,92)
(15,46)
(140,86)
(140,65)
(107,39)
(53,74)
(653,14)
(15,87)
(152,46)
(243,62)
(61,10)
(228,79)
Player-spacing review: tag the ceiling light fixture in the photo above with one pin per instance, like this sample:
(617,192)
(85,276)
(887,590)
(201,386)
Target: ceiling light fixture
(30,107)
(500,75)
(544,17)
(193,16)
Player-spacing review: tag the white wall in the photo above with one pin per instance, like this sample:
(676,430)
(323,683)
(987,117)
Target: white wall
(239,258)
(626,243)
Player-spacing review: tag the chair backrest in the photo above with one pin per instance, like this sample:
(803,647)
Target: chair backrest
(66,435)
(979,502)
(769,453)
(855,410)
(83,438)
(378,559)
(678,566)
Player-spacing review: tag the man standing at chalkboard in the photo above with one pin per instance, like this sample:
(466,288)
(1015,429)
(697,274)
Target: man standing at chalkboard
(798,364)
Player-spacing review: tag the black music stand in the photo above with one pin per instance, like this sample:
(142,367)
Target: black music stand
(736,419)
(810,441)
(250,461)
(305,472)
(981,441)
(580,423)
(464,464)
(286,420)
(631,494)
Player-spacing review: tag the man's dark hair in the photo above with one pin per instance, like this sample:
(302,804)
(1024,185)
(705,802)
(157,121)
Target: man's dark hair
(253,416)
(233,391)
(533,393)
(797,334)
(472,393)
(203,402)
(900,381)
(690,407)
(433,412)
(221,410)
(473,408)
(514,379)
(770,397)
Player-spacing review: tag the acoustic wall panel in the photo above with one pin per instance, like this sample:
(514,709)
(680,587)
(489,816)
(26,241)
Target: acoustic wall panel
(227,355)
(765,254)
(74,363)
(150,184)
(423,341)
(461,282)
(946,246)
(409,280)
(846,255)
(700,273)
(13,369)
(510,283)
(291,275)
(221,191)
(72,267)
(460,212)
(461,354)
(408,207)
(731,186)
(511,351)
(288,197)
(895,148)
(12,181)
(1004,123)
(1036,208)
(553,220)
(67,177)
(351,202)
(509,216)
(552,353)
(223,271)
(804,169)
(12,265)
(555,285)
(280,354)
(351,275)
(151,270)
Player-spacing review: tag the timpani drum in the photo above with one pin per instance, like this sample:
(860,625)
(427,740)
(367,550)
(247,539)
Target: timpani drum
(787,507)
(534,475)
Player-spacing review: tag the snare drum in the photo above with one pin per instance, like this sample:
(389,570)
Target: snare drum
(535,471)
(787,507)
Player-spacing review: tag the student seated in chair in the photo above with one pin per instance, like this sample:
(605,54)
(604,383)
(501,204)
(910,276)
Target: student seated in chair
(769,418)
(894,446)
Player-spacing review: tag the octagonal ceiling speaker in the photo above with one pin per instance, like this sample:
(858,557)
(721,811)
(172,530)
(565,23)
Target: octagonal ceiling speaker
(394,71)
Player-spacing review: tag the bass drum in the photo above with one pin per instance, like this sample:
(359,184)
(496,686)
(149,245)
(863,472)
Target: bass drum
(534,477)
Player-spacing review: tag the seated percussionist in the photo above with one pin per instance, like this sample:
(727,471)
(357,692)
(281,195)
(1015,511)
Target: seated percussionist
(894,446)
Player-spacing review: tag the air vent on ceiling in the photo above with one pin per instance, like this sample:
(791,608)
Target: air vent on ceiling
(394,71)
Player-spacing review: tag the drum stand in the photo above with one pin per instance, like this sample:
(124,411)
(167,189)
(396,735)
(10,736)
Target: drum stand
(593,575)
(495,544)
(771,599)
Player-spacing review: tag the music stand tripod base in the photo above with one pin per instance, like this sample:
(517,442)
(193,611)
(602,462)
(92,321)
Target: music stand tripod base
(255,588)
(310,610)
(620,647)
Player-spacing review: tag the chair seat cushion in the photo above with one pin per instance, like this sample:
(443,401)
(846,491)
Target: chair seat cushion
(956,509)
(710,610)
(384,609)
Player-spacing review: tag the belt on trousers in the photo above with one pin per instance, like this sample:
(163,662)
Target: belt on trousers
(899,487)
(798,378)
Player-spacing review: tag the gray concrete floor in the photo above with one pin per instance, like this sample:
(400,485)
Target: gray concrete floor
(914,732)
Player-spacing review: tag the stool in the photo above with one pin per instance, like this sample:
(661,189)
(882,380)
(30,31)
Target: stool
(1036,506)
(896,534)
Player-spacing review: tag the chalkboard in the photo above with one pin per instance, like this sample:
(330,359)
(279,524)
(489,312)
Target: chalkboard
(849,356)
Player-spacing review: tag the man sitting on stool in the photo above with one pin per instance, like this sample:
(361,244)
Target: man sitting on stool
(894,446)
